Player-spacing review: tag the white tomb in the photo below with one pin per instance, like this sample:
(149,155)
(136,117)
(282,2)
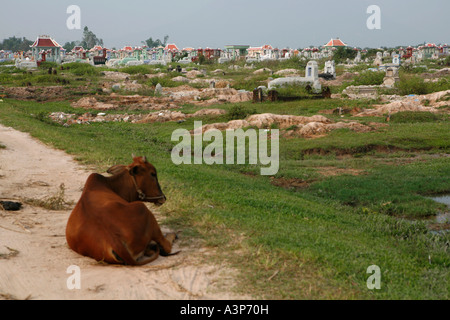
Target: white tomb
(311,78)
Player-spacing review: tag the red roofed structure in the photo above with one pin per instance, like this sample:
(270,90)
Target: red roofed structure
(46,49)
(171,48)
(45,42)
(335,43)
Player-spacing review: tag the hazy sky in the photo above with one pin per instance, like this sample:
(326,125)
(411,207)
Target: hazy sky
(216,23)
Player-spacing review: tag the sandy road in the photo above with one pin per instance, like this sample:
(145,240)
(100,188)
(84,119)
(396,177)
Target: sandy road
(34,256)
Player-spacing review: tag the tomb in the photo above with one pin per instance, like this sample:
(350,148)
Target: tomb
(396,59)
(311,79)
(379,59)
(329,72)
(391,77)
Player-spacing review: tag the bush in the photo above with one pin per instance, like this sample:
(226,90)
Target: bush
(369,78)
(47,65)
(294,91)
(239,112)
(81,69)
(416,85)
(165,81)
(447,61)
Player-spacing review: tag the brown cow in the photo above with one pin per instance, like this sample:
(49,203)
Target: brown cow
(110,221)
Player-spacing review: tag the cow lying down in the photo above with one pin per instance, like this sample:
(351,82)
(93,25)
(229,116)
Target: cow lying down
(111,223)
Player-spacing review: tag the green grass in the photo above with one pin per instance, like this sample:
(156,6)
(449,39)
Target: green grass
(315,243)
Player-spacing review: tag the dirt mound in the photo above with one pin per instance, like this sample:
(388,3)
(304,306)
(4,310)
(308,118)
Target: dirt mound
(68,119)
(163,116)
(92,103)
(115,101)
(409,103)
(50,93)
(318,129)
(231,125)
(113,75)
(210,95)
(266,120)
(207,112)
(297,125)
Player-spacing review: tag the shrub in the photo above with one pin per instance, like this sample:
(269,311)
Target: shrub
(165,81)
(369,78)
(47,64)
(417,85)
(81,69)
(294,91)
(412,85)
(239,112)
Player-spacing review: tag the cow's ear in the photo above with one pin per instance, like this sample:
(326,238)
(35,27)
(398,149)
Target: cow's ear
(134,170)
(116,169)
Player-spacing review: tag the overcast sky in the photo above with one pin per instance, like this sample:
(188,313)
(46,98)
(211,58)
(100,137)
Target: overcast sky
(216,23)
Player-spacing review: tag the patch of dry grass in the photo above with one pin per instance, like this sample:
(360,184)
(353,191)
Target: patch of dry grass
(54,202)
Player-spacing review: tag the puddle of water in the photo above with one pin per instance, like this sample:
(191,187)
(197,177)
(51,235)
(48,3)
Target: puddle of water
(445,199)
(442,217)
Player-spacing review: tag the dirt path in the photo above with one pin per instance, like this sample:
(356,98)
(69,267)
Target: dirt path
(34,256)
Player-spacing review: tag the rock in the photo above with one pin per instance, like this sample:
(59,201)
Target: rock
(163,116)
(180,79)
(86,102)
(10,205)
(207,112)
(313,128)
(283,121)
(262,70)
(285,72)
(158,90)
(112,75)
(193,74)
(217,71)
(116,86)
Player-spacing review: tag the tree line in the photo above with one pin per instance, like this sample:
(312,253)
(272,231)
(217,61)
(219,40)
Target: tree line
(88,41)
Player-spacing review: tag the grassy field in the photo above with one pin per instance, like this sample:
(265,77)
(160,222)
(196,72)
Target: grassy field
(338,204)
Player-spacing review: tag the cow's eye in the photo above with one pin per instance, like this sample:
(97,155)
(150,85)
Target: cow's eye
(153,174)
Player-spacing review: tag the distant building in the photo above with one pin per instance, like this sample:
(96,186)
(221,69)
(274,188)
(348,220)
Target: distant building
(335,43)
(235,51)
(46,49)
(429,50)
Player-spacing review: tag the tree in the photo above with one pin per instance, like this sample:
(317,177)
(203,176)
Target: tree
(90,40)
(70,45)
(16,44)
(156,43)
(342,54)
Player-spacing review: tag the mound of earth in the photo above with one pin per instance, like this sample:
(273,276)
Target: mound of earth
(410,103)
(297,125)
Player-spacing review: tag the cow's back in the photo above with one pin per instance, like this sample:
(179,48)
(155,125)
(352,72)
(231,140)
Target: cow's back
(86,232)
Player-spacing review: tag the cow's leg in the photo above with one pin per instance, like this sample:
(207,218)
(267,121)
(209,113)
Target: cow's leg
(165,243)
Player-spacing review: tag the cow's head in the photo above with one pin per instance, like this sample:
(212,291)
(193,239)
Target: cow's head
(148,188)
(144,180)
